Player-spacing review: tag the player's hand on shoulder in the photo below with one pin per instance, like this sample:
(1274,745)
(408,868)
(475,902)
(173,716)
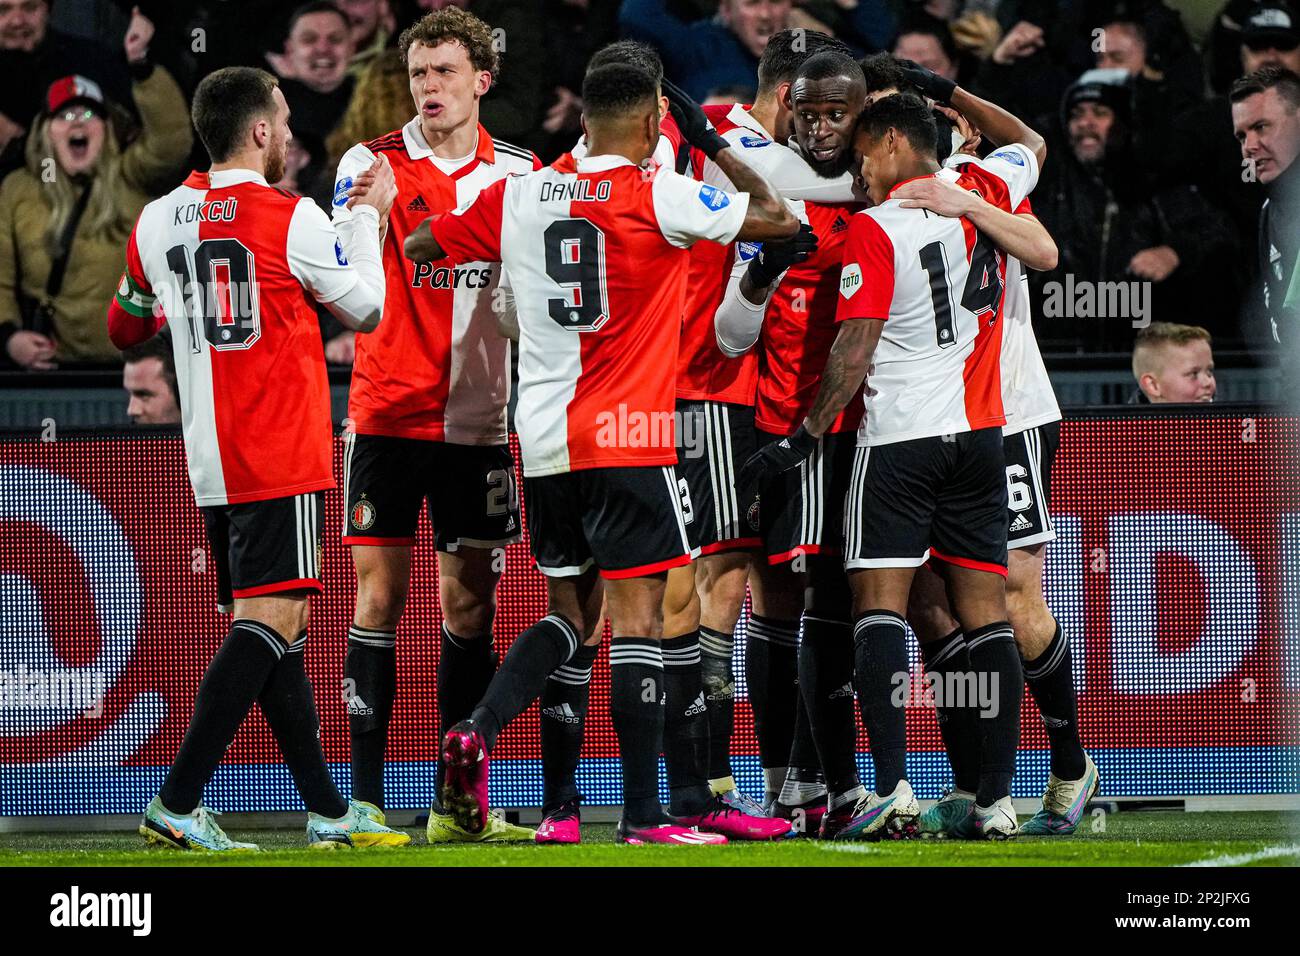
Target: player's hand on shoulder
(937,195)
(774,458)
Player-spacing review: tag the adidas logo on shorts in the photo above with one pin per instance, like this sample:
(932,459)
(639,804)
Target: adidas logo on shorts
(561,712)
(356,705)
(1021,524)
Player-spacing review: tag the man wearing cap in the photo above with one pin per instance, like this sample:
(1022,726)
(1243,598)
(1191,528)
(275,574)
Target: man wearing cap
(62,242)
(32,56)
(1112,225)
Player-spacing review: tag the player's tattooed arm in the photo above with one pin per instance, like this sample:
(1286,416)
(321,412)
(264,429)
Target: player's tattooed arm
(421,245)
(768,216)
(1022,236)
(846,368)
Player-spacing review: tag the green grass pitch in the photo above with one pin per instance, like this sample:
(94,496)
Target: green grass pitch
(1131,838)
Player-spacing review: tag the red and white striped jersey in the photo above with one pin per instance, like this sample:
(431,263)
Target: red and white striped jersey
(704,372)
(799,327)
(1027,395)
(436,368)
(234,265)
(938,284)
(597,259)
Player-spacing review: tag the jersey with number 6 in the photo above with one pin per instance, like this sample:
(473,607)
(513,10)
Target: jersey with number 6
(938,285)
(234,265)
(597,259)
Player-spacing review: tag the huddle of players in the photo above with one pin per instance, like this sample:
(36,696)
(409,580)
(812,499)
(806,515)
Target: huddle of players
(611,259)
(918,300)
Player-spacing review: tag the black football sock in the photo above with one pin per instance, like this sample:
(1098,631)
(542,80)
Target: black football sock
(289,705)
(465,668)
(1050,677)
(770,674)
(237,674)
(686,726)
(720,698)
(1000,685)
(880,655)
(370,682)
(958,721)
(826,683)
(564,712)
(522,676)
(636,702)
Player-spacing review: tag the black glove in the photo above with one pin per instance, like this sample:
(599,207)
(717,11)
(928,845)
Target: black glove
(695,126)
(776,256)
(774,458)
(930,83)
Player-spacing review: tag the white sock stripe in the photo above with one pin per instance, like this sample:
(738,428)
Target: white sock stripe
(1042,670)
(266,634)
(677,660)
(371,632)
(875,620)
(773,634)
(1002,633)
(951,651)
(570,635)
(355,638)
(568,670)
(716,648)
(626,660)
(571,681)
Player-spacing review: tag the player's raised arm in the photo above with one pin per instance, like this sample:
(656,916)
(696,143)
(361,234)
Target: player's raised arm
(992,120)
(1020,235)
(469,234)
(767,217)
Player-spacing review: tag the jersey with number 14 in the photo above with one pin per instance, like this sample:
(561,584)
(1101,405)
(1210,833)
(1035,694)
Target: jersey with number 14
(937,283)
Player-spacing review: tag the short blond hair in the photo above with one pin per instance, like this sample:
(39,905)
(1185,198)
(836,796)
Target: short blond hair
(1159,334)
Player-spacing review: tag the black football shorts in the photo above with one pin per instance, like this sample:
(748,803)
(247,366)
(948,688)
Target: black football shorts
(469,490)
(266,547)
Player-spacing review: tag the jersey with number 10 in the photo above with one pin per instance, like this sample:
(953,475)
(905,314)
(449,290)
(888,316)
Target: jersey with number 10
(597,259)
(234,265)
(937,283)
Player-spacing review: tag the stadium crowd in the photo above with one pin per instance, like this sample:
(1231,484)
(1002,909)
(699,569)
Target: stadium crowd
(1148,188)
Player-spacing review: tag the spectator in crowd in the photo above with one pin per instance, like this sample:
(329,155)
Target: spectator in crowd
(576,30)
(1173,363)
(373,24)
(726,95)
(1266,121)
(928,42)
(516,106)
(704,54)
(149,377)
(65,218)
(313,68)
(1204,150)
(1111,228)
(32,56)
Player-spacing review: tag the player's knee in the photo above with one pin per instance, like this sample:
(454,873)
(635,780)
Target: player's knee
(379,605)
(1026,606)
(468,614)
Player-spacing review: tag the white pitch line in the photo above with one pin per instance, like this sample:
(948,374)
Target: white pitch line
(1241,859)
(846,847)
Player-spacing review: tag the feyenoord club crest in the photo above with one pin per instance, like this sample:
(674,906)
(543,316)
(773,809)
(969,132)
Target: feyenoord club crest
(751,515)
(363,514)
